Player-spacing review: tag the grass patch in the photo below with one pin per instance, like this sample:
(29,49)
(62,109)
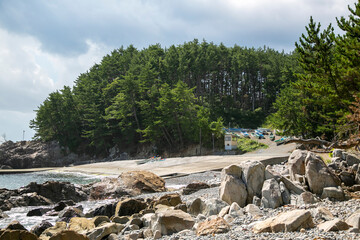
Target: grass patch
(249,145)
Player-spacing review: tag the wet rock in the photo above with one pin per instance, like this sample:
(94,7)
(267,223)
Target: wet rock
(3,215)
(105,210)
(15,225)
(40,228)
(214,226)
(56,191)
(49,232)
(37,212)
(63,204)
(286,222)
(318,175)
(68,213)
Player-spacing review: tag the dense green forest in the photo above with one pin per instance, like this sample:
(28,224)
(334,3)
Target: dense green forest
(168,97)
(322,101)
(177,96)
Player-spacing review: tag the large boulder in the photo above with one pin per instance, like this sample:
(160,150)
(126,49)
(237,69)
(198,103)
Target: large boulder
(211,227)
(109,188)
(286,222)
(271,194)
(129,206)
(143,181)
(69,235)
(253,175)
(172,221)
(333,225)
(56,191)
(232,188)
(51,231)
(354,219)
(17,235)
(318,175)
(296,163)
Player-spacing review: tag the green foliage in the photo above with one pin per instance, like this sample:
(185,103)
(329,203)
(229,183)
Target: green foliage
(318,101)
(249,145)
(169,97)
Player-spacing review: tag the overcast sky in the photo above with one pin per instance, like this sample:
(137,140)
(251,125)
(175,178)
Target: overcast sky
(46,44)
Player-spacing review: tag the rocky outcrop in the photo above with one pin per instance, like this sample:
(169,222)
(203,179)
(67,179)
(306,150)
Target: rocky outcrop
(36,154)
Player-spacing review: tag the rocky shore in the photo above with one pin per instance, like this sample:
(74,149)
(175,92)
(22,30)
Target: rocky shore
(303,198)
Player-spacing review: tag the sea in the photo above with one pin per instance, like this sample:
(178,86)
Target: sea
(15,181)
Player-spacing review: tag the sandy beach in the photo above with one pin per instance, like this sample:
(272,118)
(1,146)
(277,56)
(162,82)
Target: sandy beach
(185,165)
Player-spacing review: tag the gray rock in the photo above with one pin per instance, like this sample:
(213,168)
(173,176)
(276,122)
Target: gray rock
(318,175)
(333,193)
(253,210)
(285,194)
(337,153)
(306,198)
(352,159)
(256,201)
(195,206)
(253,176)
(232,189)
(296,163)
(348,178)
(271,194)
(235,210)
(171,221)
(213,206)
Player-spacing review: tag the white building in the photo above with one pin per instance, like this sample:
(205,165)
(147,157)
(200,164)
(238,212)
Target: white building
(230,141)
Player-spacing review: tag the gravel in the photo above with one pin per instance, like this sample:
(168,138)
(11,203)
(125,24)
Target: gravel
(241,227)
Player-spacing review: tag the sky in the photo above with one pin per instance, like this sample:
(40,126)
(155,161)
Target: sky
(46,44)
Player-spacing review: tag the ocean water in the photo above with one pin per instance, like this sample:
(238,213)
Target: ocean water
(14,181)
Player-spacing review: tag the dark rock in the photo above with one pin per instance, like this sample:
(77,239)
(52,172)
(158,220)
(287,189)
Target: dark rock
(347,178)
(63,204)
(68,213)
(15,225)
(17,234)
(40,228)
(194,187)
(37,212)
(129,206)
(3,215)
(56,191)
(105,210)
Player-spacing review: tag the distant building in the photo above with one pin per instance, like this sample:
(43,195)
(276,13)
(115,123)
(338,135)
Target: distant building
(230,141)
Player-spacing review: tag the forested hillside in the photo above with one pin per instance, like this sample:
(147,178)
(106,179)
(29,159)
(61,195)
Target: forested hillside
(169,97)
(324,99)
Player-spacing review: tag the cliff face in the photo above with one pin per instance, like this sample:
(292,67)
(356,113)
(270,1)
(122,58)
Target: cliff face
(34,154)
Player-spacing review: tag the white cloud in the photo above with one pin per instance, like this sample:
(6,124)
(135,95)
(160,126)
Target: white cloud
(45,45)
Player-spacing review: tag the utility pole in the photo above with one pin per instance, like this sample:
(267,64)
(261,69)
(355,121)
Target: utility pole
(213,142)
(200,141)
